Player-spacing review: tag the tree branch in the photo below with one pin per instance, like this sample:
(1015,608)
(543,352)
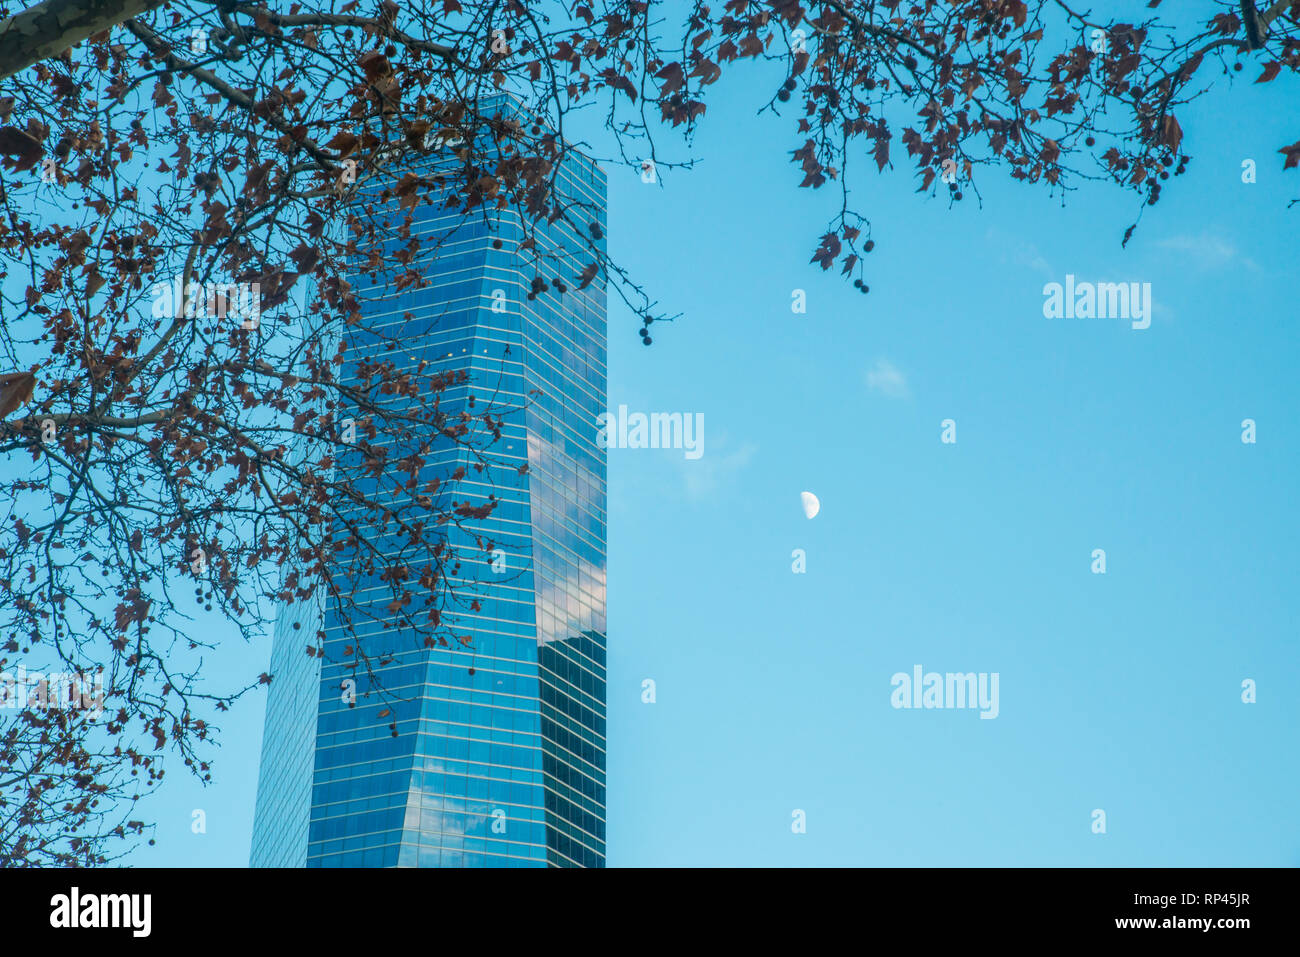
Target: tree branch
(49,28)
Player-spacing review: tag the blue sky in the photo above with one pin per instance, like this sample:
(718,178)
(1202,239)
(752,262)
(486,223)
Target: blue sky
(1119,691)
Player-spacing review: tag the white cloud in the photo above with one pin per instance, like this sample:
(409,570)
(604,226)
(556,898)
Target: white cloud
(1206,250)
(1017,251)
(716,467)
(887,379)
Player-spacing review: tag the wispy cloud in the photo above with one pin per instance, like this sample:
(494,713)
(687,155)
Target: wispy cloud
(716,467)
(887,379)
(1207,251)
(1017,251)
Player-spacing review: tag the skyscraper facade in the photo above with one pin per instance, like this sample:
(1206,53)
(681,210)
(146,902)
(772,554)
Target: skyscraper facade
(499,753)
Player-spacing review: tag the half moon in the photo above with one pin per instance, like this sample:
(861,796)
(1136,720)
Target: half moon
(811,506)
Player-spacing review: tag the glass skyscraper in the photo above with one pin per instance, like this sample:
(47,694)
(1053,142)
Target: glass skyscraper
(499,753)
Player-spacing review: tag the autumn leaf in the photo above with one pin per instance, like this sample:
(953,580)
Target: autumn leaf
(15,391)
(672,77)
(707,71)
(1292,154)
(20,149)
(94,281)
(880,133)
(827,251)
(619,82)
(375,65)
(1171,134)
(344,142)
(1270,70)
(305,257)
(134,609)
(1225,24)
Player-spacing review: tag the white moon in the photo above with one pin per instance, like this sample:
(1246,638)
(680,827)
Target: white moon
(810,504)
